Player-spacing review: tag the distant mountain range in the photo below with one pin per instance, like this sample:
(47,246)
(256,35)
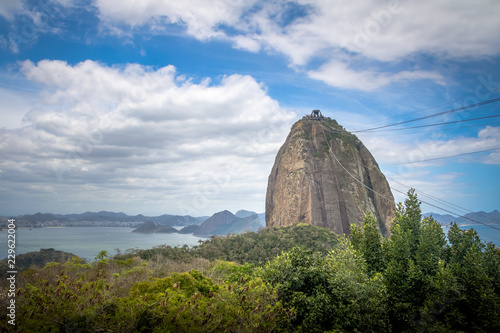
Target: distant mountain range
(492,218)
(220,223)
(108,217)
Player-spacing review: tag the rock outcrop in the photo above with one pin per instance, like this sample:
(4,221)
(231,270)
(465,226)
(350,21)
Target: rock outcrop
(225,222)
(150,227)
(190,229)
(325,176)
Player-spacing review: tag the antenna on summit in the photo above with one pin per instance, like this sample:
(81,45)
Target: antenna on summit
(316,115)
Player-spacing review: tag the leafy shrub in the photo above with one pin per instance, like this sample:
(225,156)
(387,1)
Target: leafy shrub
(432,284)
(79,297)
(190,302)
(331,292)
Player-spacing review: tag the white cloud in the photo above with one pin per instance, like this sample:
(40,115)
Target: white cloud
(384,31)
(493,158)
(339,74)
(142,131)
(200,17)
(488,133)
(246,43)
(9,8)
(394,29)
(14,107)
(449,28)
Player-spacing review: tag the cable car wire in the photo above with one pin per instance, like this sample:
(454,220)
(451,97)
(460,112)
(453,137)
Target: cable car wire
(443,157)
(444,202)
(431,116)
(382,196)
(437,124)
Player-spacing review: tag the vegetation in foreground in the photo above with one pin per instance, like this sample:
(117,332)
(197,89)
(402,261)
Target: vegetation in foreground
(415,281)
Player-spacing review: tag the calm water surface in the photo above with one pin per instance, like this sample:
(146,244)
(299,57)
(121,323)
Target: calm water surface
(87,242)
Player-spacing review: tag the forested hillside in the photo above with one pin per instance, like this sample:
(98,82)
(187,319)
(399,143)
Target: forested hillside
(294,279)
(249,247)
(34,259)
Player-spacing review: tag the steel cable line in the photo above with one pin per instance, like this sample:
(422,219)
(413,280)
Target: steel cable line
(443,157)
(431,116)
(431,125)
(430,130)
(382,196)
(444,202)
(438,124)
(452,205)
(417,111)
(449,211)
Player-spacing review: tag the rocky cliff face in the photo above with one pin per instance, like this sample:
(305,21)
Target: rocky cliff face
(324,176)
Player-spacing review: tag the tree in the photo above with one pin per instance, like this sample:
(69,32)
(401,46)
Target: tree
(414,256)
(402,276)
(332,292)
(437,286)
(431,244)
(368,241)
(408,218)
(476,268)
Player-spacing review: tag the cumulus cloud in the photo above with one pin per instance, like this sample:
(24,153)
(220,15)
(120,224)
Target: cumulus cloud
(383,31)
(199,147)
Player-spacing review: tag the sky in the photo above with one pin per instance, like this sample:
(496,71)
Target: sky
(180,107)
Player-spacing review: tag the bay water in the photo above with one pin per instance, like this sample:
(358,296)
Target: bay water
(87,242)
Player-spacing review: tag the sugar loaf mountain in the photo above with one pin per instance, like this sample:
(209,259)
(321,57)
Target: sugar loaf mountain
(322,175)
(325,176)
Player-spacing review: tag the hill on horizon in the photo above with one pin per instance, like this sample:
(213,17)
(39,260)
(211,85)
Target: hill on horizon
(106,216)
(225,222)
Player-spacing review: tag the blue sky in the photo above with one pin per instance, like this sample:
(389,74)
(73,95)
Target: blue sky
(161,106)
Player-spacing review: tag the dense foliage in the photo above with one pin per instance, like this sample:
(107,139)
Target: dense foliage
(295,279)
(329,292)
(34,259)
(128,296)
(250,247)
(433,285)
